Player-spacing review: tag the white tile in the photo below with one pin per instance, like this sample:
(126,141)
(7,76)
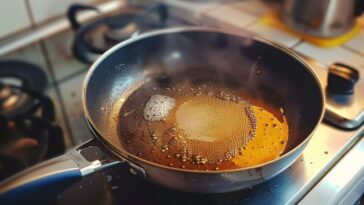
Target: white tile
(255,7)
(195,6)
(190,11)
(230,15)
(212,23)
(144,2)
(184,15)
(331,55)
(357,43)
(43,10)
(274,34)
(71,95)
(14,17)
(60,55)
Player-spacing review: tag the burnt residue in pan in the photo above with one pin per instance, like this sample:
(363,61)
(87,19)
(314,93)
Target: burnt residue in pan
(203,121)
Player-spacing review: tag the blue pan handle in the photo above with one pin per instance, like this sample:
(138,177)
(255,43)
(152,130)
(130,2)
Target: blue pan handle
(43,182)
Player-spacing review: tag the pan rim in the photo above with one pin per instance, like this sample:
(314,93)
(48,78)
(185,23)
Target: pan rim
(118,151)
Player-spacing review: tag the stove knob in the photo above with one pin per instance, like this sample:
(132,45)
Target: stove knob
(341,79)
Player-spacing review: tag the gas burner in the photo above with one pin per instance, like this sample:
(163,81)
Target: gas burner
(94,38)
(29,137)
(28,132)
(21,74)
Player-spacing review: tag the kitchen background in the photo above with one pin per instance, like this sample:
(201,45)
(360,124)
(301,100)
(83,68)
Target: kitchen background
(38,32)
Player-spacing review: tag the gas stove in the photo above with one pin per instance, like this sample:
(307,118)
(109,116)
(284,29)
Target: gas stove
(313,177)
(330,170)
(28,132)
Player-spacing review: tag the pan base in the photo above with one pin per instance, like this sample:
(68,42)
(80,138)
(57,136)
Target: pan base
(210,127)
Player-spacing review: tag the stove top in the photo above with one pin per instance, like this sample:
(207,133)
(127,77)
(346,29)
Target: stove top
(95,37)
(308,180)
(327,146)
(28,132)
(118,186)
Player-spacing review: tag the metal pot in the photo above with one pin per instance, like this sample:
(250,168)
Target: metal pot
(325,18)
(282,72)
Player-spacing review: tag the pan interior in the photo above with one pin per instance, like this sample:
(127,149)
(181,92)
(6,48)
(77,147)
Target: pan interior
(265,73)
(211,123)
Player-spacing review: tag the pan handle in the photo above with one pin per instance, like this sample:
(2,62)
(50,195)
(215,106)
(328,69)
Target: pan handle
(43,182)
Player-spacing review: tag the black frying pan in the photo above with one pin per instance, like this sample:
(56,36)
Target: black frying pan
(168,51)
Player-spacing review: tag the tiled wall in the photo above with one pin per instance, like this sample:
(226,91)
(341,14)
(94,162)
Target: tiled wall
(43,10)
(13,17)
(17,15)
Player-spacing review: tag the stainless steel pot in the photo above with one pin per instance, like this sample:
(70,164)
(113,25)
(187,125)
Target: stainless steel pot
(322,18)
(282,72)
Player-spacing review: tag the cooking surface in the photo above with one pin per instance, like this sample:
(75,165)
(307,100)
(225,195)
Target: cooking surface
(198,109)
(118,186)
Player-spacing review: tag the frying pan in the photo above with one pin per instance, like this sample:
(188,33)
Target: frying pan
(283,74)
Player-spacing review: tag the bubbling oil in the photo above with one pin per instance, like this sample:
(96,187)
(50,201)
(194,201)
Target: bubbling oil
(201,127)
(210,127)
